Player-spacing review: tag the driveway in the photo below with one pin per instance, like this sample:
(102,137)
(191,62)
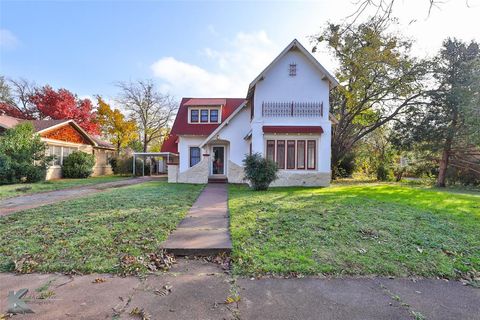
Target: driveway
(34,200)
(195,289)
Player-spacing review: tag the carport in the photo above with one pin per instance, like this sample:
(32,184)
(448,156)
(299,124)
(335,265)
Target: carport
(160,158)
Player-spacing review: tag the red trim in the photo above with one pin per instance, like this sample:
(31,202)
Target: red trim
(294,160)
(314,154)
(292,129)
(284,154)
(304,156)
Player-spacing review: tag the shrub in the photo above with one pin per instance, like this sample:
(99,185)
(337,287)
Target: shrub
(22,155)
(259,171)
(383,173)
(78,165)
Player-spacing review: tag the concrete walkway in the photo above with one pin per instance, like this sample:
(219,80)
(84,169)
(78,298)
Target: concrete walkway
(204,231)
(194,289)
(35,200)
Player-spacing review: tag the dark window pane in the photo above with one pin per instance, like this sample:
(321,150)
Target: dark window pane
(194,156)
(194,116)
(213,115)
(290,154)
(204,115)
(311,154)
(301,154)
(271,150)
(281,154)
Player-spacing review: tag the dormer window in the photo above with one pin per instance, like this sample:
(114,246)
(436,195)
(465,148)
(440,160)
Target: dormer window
(204,115)
(292,70)
(213,115)
(193,115)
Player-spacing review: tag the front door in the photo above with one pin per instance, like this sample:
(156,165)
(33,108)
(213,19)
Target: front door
(218,165)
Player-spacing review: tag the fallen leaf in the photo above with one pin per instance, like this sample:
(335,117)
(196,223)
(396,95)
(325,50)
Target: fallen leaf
(99,280)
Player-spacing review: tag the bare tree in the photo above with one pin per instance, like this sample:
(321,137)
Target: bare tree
(18,103)
(152,110)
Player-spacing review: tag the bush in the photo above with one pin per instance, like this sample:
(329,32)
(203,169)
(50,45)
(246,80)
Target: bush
(383,173)
(124,166)
(22,155)
(78,165)
(345,167)
(259,171)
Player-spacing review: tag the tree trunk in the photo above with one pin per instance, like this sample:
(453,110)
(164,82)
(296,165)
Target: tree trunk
(145,143)
(442,169)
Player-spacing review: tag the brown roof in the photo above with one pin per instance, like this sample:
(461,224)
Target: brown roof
(8,122)
(40,125)
(103,144)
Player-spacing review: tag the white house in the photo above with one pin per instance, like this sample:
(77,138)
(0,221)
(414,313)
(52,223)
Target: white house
(285,117)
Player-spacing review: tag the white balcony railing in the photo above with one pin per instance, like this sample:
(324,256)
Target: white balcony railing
(292,109)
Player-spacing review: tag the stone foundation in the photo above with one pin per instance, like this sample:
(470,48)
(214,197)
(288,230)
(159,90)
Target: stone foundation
(235,173)
(197,174)
(306,179)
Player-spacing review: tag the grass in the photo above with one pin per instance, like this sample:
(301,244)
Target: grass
(93,233)
(13,190)
(355,229)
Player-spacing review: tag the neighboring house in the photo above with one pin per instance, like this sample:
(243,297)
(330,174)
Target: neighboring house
(62,138)
(285,117)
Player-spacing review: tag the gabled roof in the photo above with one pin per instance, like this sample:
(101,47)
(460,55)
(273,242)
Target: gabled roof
(182,127)
(40,126)
(295,44)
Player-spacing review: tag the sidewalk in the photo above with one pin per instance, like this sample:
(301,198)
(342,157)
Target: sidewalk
(205,229)
(34,200)
(194,289)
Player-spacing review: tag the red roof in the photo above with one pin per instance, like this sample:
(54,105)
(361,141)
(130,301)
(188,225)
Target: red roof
(182,127)
(292,129)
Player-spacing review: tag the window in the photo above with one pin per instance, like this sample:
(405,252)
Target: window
(204,115)
(281,154)
(213,115)
(194,156)
(301,154)
(292,70)
(291,154)
(271,150)
(193,115)
(311,154)
(59,153)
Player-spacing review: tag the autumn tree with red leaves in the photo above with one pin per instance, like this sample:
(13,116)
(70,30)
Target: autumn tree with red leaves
(24,100)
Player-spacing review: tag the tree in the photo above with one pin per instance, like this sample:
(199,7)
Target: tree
(62,104)
(151,109)
(15,98)
(114,126)
(449,123)
(22,155)
(379,81)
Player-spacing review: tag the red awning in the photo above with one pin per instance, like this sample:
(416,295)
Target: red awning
(292,129)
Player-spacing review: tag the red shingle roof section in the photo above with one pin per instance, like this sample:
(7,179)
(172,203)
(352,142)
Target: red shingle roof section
(182,127)
(206,102)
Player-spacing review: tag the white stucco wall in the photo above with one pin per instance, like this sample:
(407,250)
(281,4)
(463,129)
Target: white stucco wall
(235,132)
(184,144)
(306,86)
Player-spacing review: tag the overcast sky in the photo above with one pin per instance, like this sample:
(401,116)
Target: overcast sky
(204,49)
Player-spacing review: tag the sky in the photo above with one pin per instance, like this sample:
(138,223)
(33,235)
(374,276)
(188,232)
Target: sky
(189,49)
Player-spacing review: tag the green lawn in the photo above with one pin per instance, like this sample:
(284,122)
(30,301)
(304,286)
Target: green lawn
(369,229)
(13,190)
(92,234)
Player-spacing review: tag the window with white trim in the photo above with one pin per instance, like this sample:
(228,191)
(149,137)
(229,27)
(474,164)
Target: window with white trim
(59,154)
(194,156)
(204,115)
